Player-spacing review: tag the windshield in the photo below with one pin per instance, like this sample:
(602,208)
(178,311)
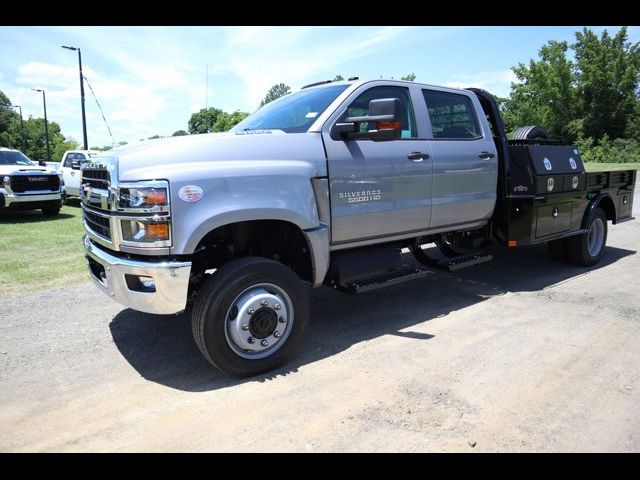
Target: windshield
(15,158)
(293,113)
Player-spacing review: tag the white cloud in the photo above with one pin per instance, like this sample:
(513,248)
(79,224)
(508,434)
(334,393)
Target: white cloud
(498,82)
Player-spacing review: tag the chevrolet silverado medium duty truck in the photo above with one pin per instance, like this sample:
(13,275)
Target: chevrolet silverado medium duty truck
(329,186)
(25,185)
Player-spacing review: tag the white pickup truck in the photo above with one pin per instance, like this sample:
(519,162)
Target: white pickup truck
(27,186)
(69,167)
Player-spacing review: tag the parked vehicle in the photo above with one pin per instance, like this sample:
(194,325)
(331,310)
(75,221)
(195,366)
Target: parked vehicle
(25,185)
(328,186)
(69,167)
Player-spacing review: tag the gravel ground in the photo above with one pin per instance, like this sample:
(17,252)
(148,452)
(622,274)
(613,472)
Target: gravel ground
(520,354)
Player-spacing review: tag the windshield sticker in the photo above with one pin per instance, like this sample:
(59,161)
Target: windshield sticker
(311,115)
(190,193)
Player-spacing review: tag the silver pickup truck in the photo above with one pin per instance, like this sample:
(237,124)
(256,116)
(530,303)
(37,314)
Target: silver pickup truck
(332,185)
(25,185)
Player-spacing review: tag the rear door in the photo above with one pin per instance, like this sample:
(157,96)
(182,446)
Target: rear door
(378,188)
(465,162)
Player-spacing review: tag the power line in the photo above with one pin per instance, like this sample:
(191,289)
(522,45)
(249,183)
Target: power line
(113,142)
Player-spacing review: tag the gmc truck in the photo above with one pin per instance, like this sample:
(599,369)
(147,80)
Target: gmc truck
(332,185)
(24,185)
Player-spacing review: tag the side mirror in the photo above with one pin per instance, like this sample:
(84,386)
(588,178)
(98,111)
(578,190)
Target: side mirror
(75,164)
(383,119)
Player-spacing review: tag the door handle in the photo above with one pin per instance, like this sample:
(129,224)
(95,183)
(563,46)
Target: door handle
(417,156)
(486,155)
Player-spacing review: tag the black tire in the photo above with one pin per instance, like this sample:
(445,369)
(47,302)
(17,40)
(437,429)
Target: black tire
(52,208)
(215,301)
(587,249)
(531,132)
(558,250)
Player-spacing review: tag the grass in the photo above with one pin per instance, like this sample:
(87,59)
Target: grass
(595,167)
(40,252)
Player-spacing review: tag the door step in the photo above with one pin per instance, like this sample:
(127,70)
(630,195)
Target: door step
(463,261)
(392,278)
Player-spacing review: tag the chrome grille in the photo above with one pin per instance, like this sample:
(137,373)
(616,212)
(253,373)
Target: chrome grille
(98,224)
(96,178)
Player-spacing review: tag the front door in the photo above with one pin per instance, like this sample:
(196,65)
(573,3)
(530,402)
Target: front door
(379,188)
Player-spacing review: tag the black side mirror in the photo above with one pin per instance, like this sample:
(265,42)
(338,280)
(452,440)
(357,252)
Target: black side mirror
(75,164)
(385,115)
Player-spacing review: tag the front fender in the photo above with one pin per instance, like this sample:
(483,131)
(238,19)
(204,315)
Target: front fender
(277,195)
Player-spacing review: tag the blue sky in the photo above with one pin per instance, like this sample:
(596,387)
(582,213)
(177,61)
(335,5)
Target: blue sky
(150,79)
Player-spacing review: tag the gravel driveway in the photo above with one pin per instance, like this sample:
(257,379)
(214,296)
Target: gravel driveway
(519,354)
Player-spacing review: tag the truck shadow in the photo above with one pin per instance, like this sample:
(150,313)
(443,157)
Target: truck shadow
(29,216)
(162,350)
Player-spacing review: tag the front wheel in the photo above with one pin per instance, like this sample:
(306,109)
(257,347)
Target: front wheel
(52,208)
(586,249)
(250,316)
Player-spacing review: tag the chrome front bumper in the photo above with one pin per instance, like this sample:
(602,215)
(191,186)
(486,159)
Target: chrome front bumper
(10,198)
(118,279)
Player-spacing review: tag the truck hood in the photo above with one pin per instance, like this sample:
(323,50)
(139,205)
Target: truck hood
(21,170)
(187,156)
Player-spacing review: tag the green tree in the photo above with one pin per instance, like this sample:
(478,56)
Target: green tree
(593,96)
(338,78)
(546,94)
(60,146)
(7,117)
(411,77)
(226,121)
(607,76)
(36,148)
(203,120)
(179,133)
(153,137)
(277,91)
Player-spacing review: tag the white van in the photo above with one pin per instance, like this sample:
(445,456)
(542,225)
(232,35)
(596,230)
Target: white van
(70,169)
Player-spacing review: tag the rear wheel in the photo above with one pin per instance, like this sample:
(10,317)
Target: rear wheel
(586,249)
(250,316)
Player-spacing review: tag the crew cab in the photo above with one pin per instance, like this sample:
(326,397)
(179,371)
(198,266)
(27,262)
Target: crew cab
(25,185)
(69,168)
(331,185)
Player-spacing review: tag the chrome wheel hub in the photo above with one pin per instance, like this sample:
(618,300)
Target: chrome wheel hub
(259,321)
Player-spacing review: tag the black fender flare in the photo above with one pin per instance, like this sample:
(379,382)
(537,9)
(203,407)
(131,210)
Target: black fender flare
(593,205)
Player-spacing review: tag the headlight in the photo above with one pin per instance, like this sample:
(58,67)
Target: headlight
(7,181)
(145,231)
(143,197)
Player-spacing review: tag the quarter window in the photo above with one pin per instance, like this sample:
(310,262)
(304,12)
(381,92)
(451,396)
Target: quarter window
(452,115)
(360,107)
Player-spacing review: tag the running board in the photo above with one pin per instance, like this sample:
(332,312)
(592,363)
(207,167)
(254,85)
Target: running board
(463,261)
(392,278)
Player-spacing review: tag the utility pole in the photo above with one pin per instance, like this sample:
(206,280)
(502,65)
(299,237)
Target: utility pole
(46,123)
(84,118)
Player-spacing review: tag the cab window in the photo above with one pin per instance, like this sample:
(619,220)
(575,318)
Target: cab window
(360,107)
(68,161)
(452,115)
